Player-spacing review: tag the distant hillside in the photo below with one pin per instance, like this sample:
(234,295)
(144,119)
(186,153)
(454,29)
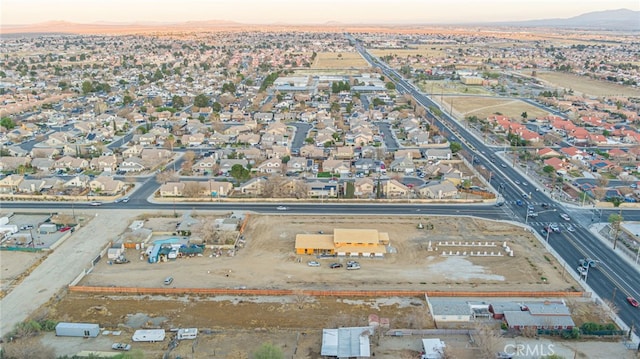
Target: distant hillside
(64,27)
(620,20)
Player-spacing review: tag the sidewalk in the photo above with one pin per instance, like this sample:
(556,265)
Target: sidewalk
(596,228)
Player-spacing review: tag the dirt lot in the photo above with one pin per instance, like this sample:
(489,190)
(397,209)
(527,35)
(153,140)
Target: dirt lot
(586,85)
(239,324)
(483,107)
(339,60)
(268,260)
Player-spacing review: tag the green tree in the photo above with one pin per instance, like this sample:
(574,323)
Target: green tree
(455,147)
(127,100)
(268,351)
(87,87)
(201,100)
(548,169)
(7,123)
(216,107)
(177,102)
(524,115)
(390,85)
(286,159)
(239,172)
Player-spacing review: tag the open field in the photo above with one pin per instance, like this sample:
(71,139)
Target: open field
(485,106)
(452,87)
(586,85)
(339,60)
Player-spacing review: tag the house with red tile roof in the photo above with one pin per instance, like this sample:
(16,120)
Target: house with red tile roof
(597,140)
(573,153)
(556,163)
(548,152)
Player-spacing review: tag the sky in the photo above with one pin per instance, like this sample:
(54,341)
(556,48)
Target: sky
(13,12)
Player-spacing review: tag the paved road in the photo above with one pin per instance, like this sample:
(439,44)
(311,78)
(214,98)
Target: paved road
(61,266)
(615,273)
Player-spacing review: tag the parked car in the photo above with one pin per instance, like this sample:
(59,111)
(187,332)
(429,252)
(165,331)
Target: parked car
(335,265)
(64,229)
(26,227)
(633,302)
(121,346)
(313,264)
(351,265)
(168,280)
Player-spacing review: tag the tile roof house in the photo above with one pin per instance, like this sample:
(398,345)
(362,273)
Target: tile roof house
(394,189)
(441,190)
(104,163)
(253,187)
(548,152)
(336,166)
(10,183)
(132,164)
(364,187)
(8,163)
(72,163)
(573,153)
(271,165)
(403,164)
(106,185)
(297,164)
(556,163)
(227,164)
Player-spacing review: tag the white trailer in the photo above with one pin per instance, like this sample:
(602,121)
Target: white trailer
(187,333)
(85,330)
(148,335)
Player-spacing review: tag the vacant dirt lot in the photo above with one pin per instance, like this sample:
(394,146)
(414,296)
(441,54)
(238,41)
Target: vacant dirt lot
(587,86)
(268,260)
(483,107)
(338,60)
(239,324)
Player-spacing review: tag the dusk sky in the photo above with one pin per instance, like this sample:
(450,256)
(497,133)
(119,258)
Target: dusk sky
(300,11)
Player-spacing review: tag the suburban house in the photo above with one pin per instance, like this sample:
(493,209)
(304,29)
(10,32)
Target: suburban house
(436,154)
(172,189)
(441,190)
(271,165)
(253,187)
(132,164)
(403,164)
(344,242)
(364,187)
(394,189)
(227,164)
(540,315)
(106,185)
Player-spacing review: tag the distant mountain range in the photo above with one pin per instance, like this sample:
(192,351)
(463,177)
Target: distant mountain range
(620,20)
(607,20)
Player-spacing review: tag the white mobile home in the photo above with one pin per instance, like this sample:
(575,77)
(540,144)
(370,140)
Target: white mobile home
(148,335)
(86,330)
(187,333)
